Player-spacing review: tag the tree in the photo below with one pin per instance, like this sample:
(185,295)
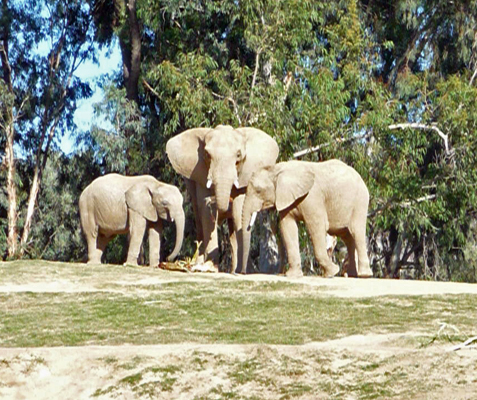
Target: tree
(39,89)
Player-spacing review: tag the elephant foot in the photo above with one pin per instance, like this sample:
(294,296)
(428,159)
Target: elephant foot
(130,264)
(331,272)
(365,272)
(238,273)
(294,273)
(93,262)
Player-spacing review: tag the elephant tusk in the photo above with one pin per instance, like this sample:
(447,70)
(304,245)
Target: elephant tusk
(252,220)
(236,183)
(209,183)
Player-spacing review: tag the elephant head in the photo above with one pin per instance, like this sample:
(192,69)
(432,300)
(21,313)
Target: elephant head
(155,200)
(278,186)
(221,158)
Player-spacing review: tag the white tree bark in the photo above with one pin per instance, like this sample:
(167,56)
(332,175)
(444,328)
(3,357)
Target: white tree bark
(269,256)
(416,125)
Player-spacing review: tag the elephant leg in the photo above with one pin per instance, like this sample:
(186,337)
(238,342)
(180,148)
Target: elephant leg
(154,231)
(96,246)
(94,254)
(209,217)
(237,243)
(351,256)
(289,231)
(91,232)
(137,227)
(358,232)
(233,244)
(317,230)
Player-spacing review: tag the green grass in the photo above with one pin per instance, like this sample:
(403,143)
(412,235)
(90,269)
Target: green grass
(116,308)
(216,312)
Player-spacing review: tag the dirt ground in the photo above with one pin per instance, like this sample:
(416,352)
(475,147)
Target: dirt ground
(390,365)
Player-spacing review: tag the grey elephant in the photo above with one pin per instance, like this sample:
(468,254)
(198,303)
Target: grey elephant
(217,165)
(115,204)
(330,197)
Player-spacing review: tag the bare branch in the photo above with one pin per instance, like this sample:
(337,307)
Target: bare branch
(257,64)
(423,126)
(465,344)
(337,140)
(7,76)
(406,203)
(473,77)
(418,200)
(234,103)
(19,113)
(150,88)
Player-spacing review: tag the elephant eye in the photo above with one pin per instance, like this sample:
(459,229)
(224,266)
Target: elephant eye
(239,157)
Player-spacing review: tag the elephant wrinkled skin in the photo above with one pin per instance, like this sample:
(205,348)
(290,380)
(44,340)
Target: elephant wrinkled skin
(217,165)
(330,197)
(115,204)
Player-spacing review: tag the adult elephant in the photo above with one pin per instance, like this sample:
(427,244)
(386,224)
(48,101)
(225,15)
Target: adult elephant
(330,197)
(115,204)
(217,165)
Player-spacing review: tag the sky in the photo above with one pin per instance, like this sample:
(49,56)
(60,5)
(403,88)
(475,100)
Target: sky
(109,60)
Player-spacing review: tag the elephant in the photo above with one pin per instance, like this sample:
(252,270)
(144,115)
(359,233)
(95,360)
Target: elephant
(330,197)
(217,164)
(115,204)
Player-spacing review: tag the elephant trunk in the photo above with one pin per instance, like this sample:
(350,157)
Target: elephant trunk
(223,188)
(180,221)
(247,213)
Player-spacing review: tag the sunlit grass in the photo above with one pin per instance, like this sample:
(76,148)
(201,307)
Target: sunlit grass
(217,312)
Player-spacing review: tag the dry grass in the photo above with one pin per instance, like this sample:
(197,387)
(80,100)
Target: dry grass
(226,338)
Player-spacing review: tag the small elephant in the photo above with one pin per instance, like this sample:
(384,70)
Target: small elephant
(330,197)
(115,204)
(217,164)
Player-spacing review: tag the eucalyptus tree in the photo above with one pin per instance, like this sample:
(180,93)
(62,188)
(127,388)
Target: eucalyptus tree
(386,86)
(43,42)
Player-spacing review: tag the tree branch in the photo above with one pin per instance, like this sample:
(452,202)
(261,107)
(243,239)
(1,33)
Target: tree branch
(418,200)
(465,344)
(150,88)
(257,64)
(473,77)
(234,103)
(423,126)
(406,203)
(337,140)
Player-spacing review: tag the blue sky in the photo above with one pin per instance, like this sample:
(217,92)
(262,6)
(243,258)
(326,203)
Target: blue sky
(109,60)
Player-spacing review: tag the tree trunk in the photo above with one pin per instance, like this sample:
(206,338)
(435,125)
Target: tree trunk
(394,263)
(269,254)
(40,165)
(12,239)
(130,43)
(9,127)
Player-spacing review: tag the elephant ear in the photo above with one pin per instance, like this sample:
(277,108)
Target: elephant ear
(261,150)
(186,154)
(139,199)
(294,179)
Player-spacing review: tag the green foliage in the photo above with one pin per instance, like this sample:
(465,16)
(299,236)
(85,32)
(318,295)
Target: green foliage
(331,74)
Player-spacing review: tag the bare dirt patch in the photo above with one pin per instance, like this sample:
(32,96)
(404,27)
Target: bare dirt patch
(51,278)
(369,366)
(356,367)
